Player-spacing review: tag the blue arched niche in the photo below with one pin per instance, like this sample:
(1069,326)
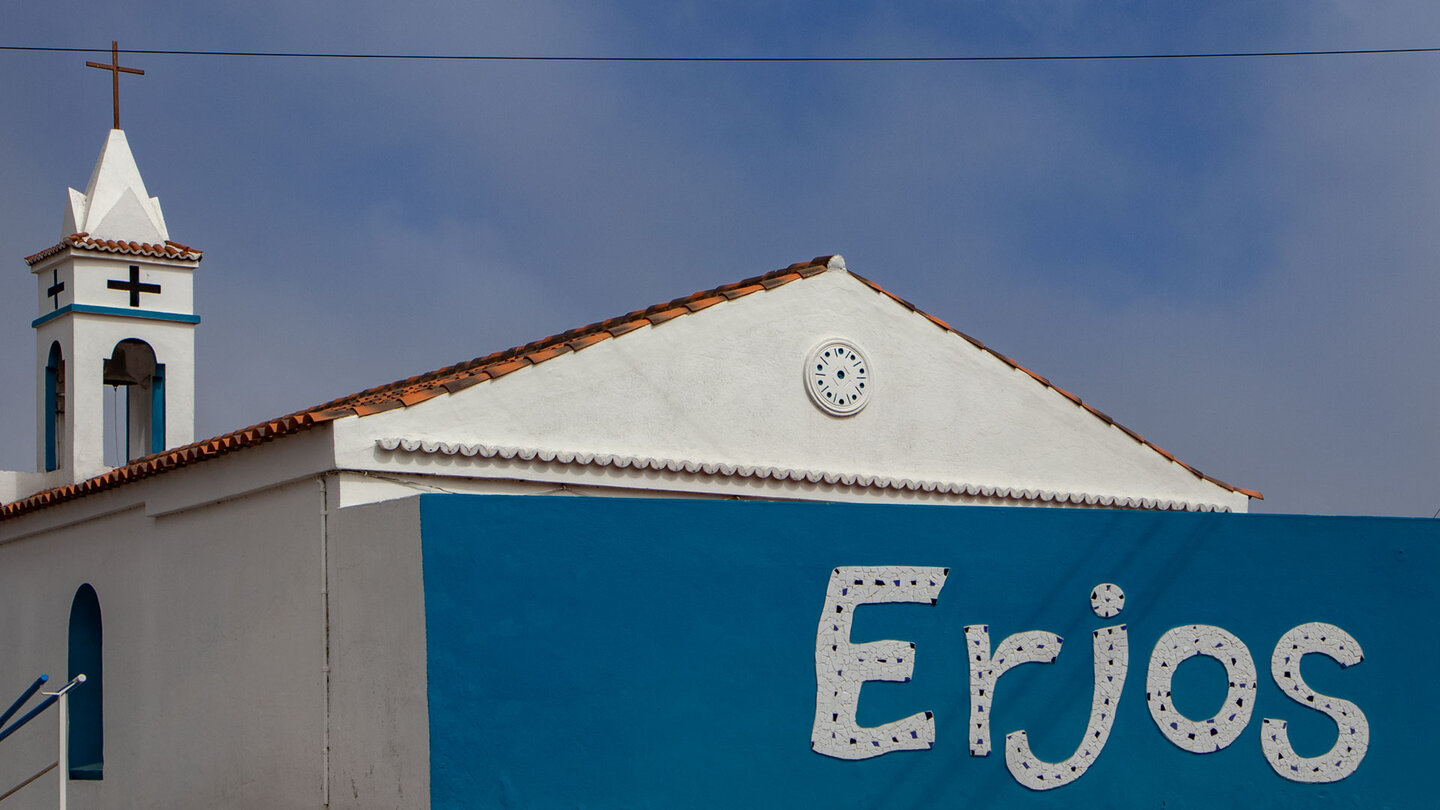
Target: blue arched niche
(87,701)
(54,405)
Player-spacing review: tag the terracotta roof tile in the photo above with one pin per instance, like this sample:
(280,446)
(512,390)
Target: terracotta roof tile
(460,384)
(1062,392)
(704,303)
(740,291)
(615,330)
(1037,377)
(379,406)
(938,322)
(892,296)
(663,315)
(976,342)
(501,369)
(83,241)
(415,397)
(548,352)
(1104,417)
(585,341)
(463,375)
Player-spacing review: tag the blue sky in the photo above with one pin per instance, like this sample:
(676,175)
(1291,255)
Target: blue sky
(1235,258)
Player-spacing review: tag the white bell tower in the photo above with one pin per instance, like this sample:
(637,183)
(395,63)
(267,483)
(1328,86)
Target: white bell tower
(116,319)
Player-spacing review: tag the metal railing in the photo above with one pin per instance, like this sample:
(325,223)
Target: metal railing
(61,697)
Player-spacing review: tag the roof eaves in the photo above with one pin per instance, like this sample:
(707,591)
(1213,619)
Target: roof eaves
(83,241)
(800,476)
(162,462)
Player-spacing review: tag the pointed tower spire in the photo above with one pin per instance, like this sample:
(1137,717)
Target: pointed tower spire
(115,204)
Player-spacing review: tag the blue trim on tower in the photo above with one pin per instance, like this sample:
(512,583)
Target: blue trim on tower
(91,309)
(52,400)
(157,409)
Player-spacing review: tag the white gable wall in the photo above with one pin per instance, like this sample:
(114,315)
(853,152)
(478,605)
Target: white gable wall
(726,385)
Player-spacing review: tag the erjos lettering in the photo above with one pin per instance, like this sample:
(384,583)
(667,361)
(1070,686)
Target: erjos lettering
(842,668)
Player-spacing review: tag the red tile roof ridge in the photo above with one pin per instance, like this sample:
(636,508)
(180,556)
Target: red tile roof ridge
(1057,389)
(83,241)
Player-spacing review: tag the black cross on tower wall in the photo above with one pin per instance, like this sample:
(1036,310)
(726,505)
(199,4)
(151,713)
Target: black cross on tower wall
(56,287)
(133,286)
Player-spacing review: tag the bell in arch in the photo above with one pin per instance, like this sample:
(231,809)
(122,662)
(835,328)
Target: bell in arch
(132,363)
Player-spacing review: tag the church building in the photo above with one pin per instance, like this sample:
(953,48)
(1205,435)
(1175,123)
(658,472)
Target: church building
(253,610)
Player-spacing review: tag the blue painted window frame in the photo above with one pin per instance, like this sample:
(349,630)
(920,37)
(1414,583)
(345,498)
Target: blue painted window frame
(52,400)
(157,409)
(87,701)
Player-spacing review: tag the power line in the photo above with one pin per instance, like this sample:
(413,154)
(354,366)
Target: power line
(740,59)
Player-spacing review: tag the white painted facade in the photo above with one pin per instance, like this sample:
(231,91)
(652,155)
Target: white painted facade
(263,609)
(214,651)
(240,637)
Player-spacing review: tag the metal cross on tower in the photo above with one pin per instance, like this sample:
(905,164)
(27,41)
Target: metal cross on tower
(115,70)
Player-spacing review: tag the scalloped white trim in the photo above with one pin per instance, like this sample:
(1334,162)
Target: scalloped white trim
(786,474)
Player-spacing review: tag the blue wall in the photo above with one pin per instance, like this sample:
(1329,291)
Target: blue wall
(608,653)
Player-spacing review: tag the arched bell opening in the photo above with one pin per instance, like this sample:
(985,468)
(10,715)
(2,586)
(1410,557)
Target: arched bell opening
(132,365)
(54,407)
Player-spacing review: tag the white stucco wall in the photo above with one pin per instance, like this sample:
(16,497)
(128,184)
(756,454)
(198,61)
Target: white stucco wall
(16,485)
(214,635)
(86,274)
(379,725)
(726,385)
